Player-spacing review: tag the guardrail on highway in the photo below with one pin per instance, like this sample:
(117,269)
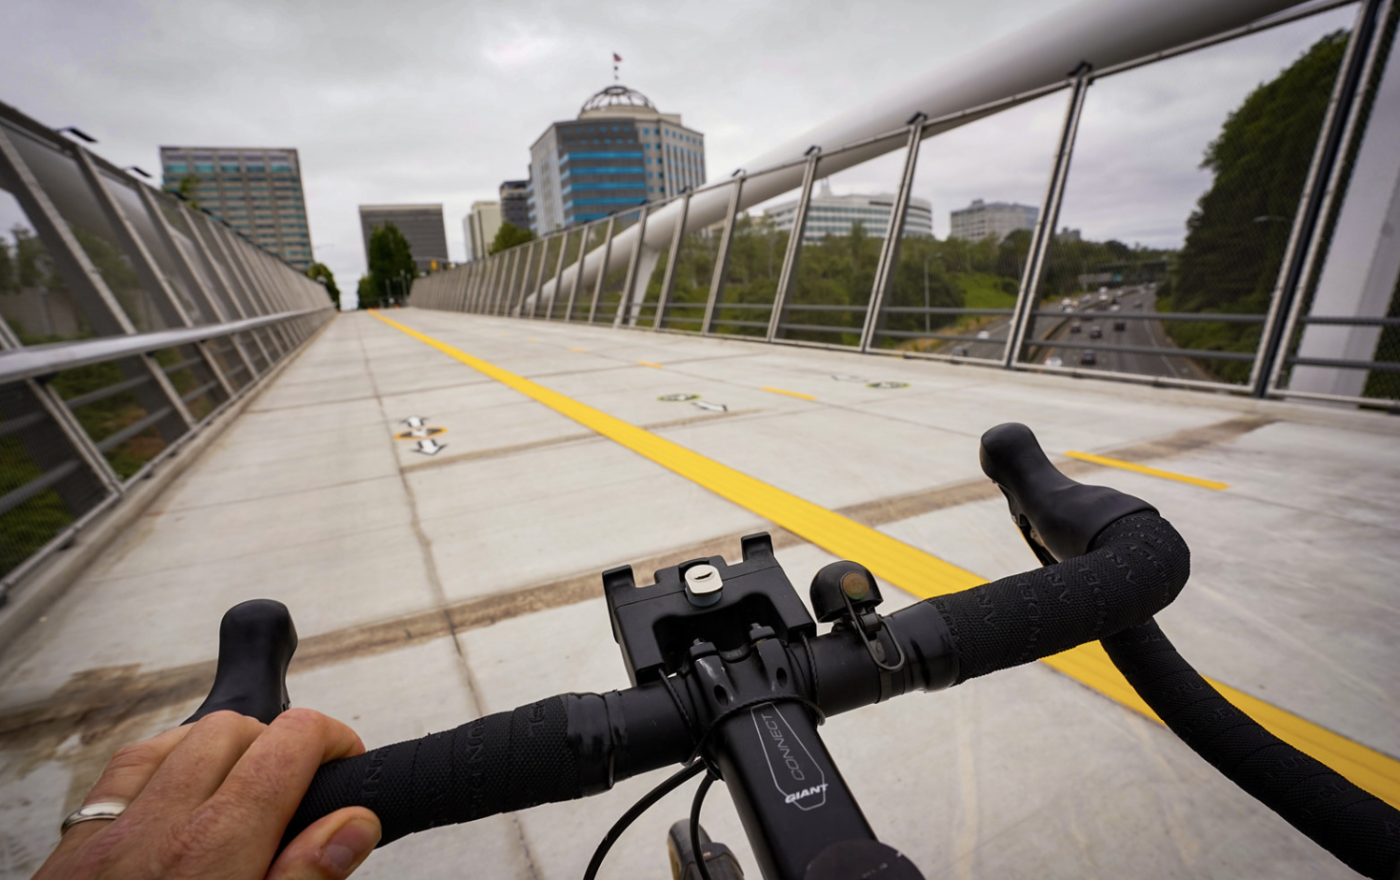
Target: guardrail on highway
(127,325)
(1246,306)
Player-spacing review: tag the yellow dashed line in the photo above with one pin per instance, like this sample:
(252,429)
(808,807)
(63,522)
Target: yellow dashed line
(920,573)
(650,364)
(1151,472)
(579,350)
(788,393)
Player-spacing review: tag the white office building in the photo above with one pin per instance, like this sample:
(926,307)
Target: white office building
(829,214)
(981,220)
(480,228)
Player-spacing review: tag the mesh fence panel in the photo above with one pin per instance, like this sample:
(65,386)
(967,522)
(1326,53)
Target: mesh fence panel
(44,485)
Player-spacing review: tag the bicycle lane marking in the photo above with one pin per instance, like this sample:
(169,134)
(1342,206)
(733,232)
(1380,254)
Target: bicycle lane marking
(1149,471)
(919,573)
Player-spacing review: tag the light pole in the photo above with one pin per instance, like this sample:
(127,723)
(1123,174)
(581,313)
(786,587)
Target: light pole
(928,319)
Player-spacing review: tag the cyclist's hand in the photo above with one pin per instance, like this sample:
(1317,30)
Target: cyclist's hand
(212,799)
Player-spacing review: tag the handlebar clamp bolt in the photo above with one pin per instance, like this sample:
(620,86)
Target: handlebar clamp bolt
(703,585)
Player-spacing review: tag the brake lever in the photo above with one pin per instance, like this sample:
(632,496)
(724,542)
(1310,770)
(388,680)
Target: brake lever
(256,642)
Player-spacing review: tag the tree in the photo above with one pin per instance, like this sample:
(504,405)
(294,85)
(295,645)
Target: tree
(320,272)
(8,282)
(1237,235)
(508,236)
(391,267)
(187,188)
(369,295)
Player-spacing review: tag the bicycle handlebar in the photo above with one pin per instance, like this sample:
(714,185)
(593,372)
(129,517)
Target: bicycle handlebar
(573,745)
(1118,564)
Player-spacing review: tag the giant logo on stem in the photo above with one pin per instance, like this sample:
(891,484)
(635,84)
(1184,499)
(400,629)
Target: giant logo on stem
(795,772)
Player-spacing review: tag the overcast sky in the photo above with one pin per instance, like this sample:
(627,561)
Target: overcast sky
(439,102)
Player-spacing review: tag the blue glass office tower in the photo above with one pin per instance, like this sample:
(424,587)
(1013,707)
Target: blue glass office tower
(620,152)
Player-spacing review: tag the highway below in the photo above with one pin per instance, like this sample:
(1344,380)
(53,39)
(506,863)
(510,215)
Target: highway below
(1098,319)
(1096,315)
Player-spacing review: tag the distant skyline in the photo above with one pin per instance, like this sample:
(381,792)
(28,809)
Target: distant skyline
(440,102)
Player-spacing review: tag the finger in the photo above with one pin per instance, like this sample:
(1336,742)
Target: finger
(133,766)
(265,787)
(331,848)
(124,777)
(196,767)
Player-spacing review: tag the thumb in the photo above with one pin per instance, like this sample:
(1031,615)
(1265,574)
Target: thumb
(331,848)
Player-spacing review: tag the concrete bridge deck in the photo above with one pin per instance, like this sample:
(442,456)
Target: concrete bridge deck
(429,590)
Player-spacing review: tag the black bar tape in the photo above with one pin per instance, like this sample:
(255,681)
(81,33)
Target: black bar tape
(1355,826)
(1136,567)
(496,764)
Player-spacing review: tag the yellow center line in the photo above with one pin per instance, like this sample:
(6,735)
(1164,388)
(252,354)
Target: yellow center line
(918,572)
(650,364)
(1151,472)
(788,393)
(580,350)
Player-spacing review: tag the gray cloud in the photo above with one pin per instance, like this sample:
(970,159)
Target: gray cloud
(439,102)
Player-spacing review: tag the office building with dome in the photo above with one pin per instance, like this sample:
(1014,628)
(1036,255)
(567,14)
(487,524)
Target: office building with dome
(620,152)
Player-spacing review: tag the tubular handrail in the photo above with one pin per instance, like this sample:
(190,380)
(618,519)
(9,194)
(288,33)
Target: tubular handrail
(43,360)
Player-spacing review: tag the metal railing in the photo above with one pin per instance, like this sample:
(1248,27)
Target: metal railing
(1159,329)
(129,321)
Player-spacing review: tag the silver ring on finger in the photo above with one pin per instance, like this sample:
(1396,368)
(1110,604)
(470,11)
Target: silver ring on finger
(91,813)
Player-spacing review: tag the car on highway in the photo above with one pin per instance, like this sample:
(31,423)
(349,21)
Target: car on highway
(960,351)
(983,334)
(1075,326)
(1054,361)
(1096,333)
(1120,326)
(1088,359)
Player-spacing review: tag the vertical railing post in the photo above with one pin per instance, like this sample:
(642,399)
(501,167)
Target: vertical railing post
(1023,312)
(663,297)
(67,423)
(578,271)
(224,286)
(501,300)
(238,269)
(1305,241)
(488,280)
(477,279)
(624,302)
(207,300)
(894,232)
(794,245)
(603,269)
(171,310)
(518,300)
(463,300)
(539,281)
(718,278)
(98,302)
(558,276)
